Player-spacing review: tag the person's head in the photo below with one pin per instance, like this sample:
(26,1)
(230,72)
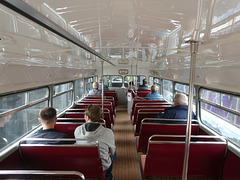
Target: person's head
(95,85)
(131,83)
(180,99)
(144,81)
(154,88)
(92,113)
(100,81)
(48,117)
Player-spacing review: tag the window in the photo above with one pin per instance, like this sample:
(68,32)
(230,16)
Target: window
(79,89)
(19,114)
(62,97)
(182,88)
(113,81)
(221,112)
(168,90)
(137,80)
(88,83)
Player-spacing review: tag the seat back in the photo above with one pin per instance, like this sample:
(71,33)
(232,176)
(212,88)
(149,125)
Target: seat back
(113,94)
(69,127)
(145,113)
(205,158)
(106,106)
(78,157)
(150,126)
(146,103)
(143,92)
(147,106)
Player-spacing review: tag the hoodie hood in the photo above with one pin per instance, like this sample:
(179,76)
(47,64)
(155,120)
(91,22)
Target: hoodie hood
(89,131)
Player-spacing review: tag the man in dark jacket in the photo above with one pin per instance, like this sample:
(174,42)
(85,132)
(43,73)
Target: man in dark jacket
(180,109)
(144,86)
(48,120)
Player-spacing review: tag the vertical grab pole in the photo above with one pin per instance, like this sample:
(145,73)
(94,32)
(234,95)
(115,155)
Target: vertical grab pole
(131,75)
(102,91)
(194,49)
(136,74)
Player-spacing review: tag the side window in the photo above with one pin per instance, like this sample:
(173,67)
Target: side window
(168,90)
(183,88)
(19,114)
(79,89)
(221,112)
(62,97)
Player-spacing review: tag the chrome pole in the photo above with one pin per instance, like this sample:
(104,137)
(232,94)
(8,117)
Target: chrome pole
(102,91)
(136,75)
(193,49)
(131,75)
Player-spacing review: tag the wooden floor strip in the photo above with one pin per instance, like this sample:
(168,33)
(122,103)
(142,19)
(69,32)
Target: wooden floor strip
(125,167)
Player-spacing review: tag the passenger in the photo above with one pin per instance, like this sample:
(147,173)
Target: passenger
(105,87)
(180,109)
(95,90)
(154,94)
(131,85)
(105,137)
(144,86)
(48,120)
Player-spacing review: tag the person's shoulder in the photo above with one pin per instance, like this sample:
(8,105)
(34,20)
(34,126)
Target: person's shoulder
(108,131)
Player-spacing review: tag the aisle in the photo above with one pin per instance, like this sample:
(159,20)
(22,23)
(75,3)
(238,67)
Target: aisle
(125,167)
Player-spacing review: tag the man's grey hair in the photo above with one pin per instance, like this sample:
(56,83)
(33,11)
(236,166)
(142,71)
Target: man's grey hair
(181,98)
(154,88)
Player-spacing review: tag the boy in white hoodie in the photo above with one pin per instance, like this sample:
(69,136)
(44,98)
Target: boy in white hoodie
(105,137)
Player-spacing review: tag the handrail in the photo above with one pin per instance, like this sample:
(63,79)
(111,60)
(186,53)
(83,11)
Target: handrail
(41,172)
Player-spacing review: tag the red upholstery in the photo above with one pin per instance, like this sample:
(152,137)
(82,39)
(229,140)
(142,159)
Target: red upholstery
(231,167)
(165,158)
(106,106)
(78,116)
(113,94)
(73,115)
(145,113)
(146,102)
(98,100)
(75,110)
(149,128)
(80,120)
(143,93)
(147,106)
(83,158)
(69,127)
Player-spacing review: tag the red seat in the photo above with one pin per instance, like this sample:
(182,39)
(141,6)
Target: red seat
(106,106)
(145,113)
(143,93)
(146,102)
(113,94)
(69,127)
(78,157)
(150,127)
(139,106)
(77,116)
(165,158)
